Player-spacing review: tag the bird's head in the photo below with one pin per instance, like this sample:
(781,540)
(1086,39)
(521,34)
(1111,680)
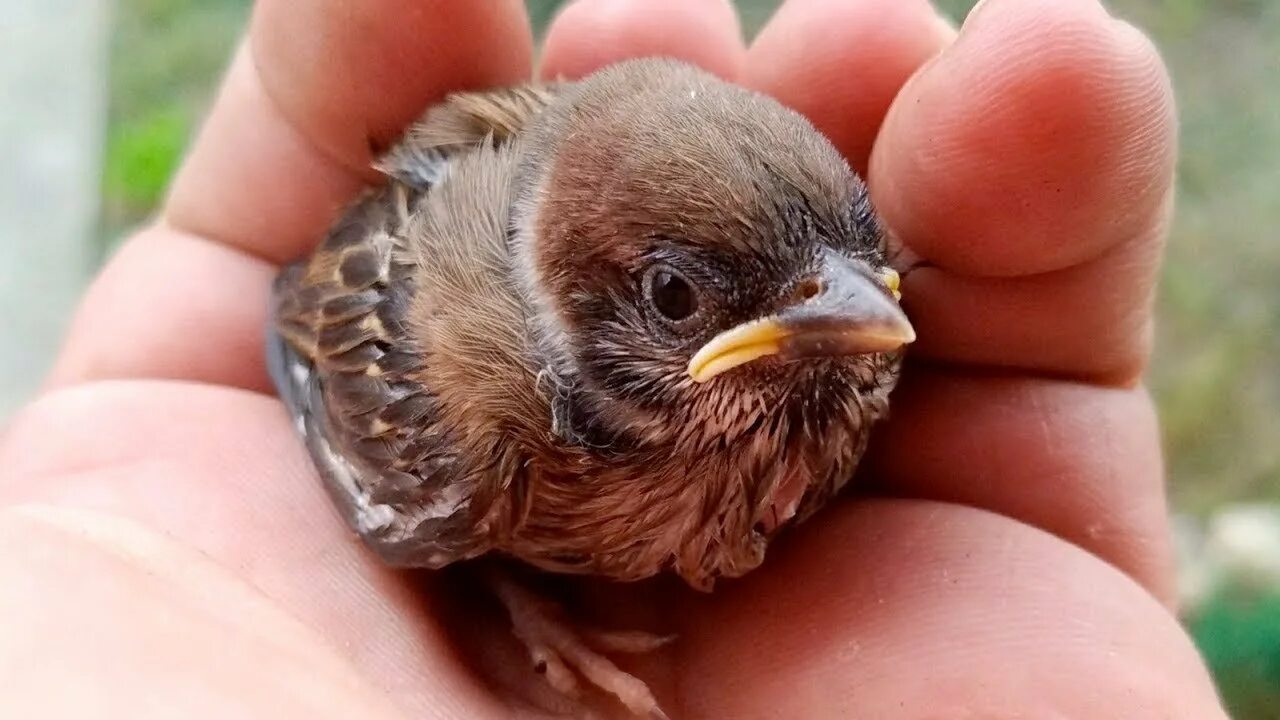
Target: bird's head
(704,263)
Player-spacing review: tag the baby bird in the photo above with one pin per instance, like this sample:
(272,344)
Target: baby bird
(626,325)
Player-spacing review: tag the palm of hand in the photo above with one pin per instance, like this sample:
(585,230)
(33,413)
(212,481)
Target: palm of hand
(165,537)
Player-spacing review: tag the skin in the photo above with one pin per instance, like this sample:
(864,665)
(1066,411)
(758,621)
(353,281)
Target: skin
(157,503)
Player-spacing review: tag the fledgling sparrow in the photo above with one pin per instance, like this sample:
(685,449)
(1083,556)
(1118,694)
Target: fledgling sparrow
(620,326)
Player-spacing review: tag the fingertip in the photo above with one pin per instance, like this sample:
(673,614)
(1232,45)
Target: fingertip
(586,36)
(844,81)
(319,87)
(1043,136)
(350,76)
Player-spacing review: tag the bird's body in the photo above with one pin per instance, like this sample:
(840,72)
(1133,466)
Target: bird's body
(498,351)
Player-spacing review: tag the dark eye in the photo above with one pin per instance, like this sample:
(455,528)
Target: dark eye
(671,294)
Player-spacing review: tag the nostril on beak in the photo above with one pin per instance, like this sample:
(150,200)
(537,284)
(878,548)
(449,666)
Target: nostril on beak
(809,289)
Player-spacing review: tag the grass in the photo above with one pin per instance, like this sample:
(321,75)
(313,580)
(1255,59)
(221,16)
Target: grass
(166,59)
(1216,376)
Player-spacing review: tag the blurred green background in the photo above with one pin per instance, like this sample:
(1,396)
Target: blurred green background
(1217,372)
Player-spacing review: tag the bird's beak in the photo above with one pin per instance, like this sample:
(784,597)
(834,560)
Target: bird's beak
(851,313)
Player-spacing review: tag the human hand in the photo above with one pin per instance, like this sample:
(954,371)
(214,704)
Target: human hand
(166,548)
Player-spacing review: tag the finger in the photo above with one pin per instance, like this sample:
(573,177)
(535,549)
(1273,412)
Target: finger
(912,609)
(1091,321)
(841,63)
(1079,461)
(100,612)
(1041,138)
(172,305)
(222,472)
(589,34)
(1039,144)
(320,87)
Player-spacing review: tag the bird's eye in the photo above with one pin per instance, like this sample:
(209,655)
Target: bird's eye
(670,294)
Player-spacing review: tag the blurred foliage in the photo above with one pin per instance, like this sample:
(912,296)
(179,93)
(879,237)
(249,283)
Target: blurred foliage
(1239,635)
(1216,375)
(141,157)
(166,59)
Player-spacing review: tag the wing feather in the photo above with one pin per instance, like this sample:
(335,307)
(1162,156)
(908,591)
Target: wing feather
(352,371)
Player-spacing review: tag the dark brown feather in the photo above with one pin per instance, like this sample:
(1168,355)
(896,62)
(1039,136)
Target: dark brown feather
(353,374)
